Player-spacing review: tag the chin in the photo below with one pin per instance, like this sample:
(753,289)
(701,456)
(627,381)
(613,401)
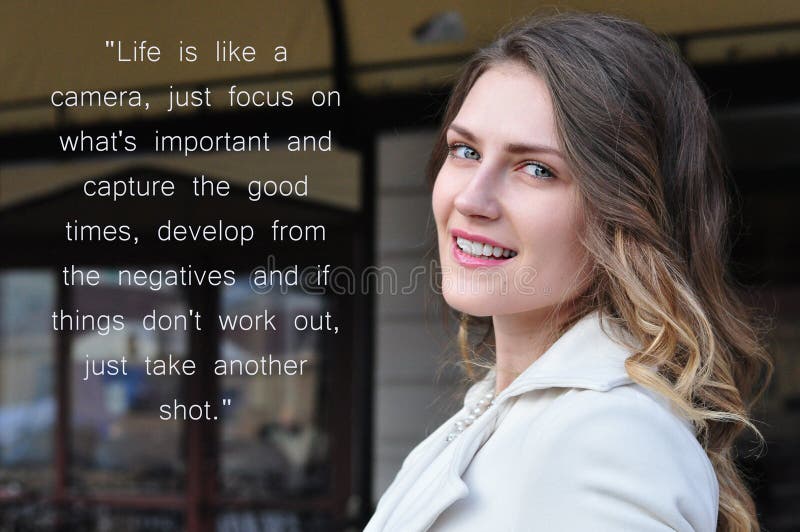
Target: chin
(480,305)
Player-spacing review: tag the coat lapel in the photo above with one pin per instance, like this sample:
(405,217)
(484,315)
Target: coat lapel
(430,480)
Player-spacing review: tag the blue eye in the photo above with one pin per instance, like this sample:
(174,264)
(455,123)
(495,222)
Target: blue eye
(538,170)
(462,151)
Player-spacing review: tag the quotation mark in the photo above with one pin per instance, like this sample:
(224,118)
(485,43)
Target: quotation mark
(226,402)
(111,44)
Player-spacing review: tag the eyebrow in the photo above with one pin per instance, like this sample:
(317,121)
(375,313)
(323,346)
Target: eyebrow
(515,148)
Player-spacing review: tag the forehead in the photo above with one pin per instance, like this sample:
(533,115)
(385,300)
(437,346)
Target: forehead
(509,103)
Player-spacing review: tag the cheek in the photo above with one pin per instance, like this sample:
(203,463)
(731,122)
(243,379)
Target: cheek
(553,235)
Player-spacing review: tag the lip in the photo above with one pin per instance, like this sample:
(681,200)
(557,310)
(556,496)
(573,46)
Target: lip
(478,238)
(471,261)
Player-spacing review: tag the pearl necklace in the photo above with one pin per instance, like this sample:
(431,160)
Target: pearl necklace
(480,407)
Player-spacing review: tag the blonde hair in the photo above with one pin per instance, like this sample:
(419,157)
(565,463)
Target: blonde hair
(644,149)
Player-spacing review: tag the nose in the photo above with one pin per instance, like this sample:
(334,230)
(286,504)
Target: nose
(479,196)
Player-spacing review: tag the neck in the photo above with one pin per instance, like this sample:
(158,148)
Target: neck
(520,339)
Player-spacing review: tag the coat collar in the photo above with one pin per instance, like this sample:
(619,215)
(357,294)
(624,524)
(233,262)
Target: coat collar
(590,355)
(586,356)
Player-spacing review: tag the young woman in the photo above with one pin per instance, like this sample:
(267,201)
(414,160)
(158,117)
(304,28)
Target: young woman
(581,212)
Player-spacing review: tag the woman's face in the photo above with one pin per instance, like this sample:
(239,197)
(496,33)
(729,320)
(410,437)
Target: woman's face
(505,202)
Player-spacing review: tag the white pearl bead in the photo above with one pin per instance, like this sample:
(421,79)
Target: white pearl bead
(480,407)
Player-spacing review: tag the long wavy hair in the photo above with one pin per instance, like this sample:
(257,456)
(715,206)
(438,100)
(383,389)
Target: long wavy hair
(638,135)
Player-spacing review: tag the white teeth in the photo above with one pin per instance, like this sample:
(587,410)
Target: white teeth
(480,249)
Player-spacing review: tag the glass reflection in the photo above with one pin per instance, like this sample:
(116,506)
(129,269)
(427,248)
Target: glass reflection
(27,400)
(272,521)
(119,444)
(272,441)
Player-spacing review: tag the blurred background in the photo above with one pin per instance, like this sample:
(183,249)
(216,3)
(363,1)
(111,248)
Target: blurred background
(311,452)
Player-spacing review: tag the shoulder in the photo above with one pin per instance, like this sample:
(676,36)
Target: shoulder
(633,457)
(634,424)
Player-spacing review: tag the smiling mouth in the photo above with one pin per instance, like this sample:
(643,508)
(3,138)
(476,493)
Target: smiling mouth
(483,250)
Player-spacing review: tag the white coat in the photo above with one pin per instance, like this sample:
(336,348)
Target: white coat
(572,444)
